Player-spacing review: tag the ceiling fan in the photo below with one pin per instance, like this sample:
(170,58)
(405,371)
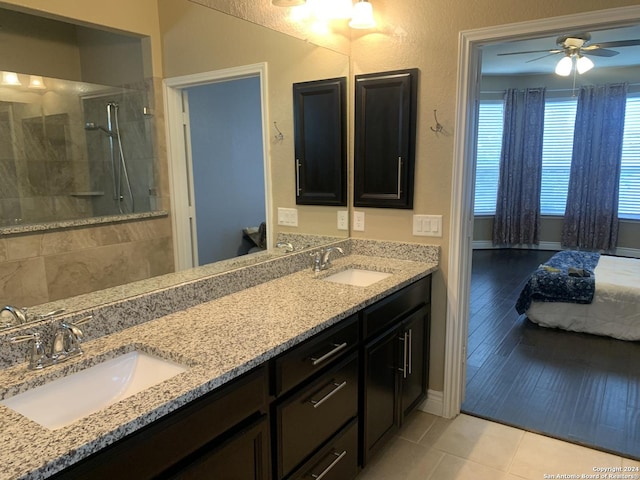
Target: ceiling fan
(574,48)
(577,44)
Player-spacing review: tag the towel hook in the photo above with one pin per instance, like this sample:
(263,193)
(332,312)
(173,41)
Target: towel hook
(279,136)
(438,127)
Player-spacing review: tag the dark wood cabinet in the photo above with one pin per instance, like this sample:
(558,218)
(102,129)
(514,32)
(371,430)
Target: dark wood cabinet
(179,441)
(320,142)
(318,410)
(395,354)
(243,456)
(385,133)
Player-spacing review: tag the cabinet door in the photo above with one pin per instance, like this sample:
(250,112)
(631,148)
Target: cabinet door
(385,131)
(320,142)
(379,390)
(414,370)
(244,456)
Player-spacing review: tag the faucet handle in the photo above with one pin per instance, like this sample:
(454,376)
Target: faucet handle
(38,355)
(317,260)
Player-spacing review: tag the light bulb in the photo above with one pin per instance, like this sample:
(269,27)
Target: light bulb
(564,66)
(35,81)
(10,78)
(362,15)
(584,64)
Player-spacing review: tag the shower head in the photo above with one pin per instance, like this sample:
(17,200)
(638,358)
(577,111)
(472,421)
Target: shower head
(94,126)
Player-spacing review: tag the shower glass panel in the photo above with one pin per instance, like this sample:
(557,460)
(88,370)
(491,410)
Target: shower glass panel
(74,150)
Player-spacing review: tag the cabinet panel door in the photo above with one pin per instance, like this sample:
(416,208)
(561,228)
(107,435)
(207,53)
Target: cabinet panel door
(415,372)
(385,116)
(245,456)
(379,390)
(320,142)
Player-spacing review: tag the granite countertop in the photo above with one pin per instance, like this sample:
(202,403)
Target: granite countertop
(218,341)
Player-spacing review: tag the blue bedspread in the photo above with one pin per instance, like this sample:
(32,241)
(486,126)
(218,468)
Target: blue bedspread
(551,282)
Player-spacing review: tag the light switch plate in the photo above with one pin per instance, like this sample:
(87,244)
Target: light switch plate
(288,217)
(343,220)
(427,225)
(358,221)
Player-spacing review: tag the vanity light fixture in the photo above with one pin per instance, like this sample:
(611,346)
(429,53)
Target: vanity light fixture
(10,78)
(36,82)
(362,15)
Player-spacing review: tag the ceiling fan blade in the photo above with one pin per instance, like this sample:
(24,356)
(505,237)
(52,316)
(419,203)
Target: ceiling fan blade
(617,44)
(600,52)
(555,52)
(529,51)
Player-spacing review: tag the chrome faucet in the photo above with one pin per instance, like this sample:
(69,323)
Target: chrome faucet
(12,316)
(64,345)
(286,245)
(322,258)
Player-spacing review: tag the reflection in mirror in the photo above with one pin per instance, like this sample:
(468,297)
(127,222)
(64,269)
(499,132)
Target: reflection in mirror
(72,150)
(79,263)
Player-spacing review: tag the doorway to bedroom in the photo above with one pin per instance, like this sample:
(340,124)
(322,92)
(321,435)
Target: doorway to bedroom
(577,387)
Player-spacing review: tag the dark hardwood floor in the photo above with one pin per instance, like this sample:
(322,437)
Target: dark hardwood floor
(576,387)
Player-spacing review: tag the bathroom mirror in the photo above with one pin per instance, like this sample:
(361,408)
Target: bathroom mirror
(46,129)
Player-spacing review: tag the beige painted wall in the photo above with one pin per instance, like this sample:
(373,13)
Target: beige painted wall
(199,39)
(431,44)
(133,16)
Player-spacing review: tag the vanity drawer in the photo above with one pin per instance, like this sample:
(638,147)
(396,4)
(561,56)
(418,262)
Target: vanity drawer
(310,417)
(314,354)
(338,460)
(388,311)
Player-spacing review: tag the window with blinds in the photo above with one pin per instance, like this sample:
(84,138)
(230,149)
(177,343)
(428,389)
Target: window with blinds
(559,120)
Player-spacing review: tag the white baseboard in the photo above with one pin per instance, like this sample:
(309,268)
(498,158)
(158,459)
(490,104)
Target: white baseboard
(434,403)
(488,245)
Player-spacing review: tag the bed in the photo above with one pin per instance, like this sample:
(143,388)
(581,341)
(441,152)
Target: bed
(603,300)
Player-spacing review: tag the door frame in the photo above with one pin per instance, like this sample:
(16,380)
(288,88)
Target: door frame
(178,151)
(463,173)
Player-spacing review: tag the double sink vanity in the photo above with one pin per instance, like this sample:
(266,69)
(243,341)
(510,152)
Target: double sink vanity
(268,371)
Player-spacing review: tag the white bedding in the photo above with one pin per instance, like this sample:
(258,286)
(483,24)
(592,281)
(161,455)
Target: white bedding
(615,310)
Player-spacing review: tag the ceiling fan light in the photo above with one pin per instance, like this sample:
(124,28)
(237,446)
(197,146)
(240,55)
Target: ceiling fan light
(584,64)
(287,3)
(362,17)
(563,68)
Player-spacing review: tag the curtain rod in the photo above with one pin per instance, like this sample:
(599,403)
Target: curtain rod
(551,89)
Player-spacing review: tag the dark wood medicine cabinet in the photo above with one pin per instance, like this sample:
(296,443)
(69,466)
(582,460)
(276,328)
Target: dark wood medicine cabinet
(384,138)
(320,142)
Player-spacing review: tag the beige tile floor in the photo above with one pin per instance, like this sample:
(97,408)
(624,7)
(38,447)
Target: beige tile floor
(469,448)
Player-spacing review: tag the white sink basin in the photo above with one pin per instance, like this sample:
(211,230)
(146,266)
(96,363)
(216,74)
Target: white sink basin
(357,277)
(68,399)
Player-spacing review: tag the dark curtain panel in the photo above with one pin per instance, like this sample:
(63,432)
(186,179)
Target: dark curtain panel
(517,219)
(591,215)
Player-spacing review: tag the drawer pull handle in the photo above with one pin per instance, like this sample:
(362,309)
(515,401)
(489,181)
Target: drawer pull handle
(339,456)
(339,386)
(316,361)
(298,189)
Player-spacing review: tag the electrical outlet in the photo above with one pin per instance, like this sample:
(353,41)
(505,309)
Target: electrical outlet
(427,225)
(288,217)
(358,221)
(343,220)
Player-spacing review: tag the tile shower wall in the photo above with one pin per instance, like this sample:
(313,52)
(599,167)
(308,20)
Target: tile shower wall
(40,267)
